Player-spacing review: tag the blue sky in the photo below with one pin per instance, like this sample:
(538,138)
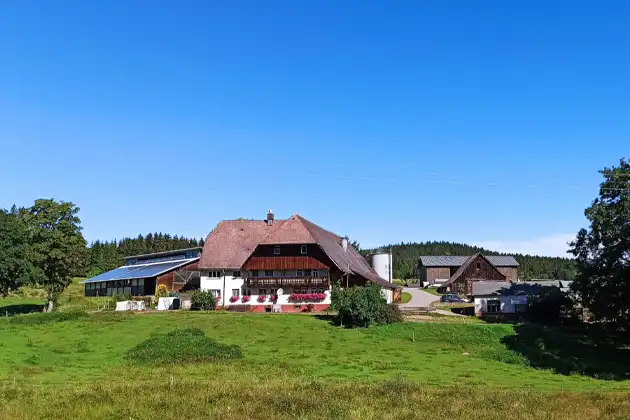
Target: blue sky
(482,122)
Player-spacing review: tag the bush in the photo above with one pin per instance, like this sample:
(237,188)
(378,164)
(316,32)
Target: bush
(202,300)
(551,306)
(188,345)
(390,314)
(43,318)
(362,306)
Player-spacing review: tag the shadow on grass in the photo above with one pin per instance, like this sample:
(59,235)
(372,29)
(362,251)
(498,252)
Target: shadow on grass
(576,351)
(11,310)
(330,319)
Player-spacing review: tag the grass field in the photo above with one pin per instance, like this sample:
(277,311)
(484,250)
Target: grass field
(300,366)
(405,297)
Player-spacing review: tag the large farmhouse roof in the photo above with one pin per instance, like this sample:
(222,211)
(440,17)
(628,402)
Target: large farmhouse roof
(457,260)
(232,242)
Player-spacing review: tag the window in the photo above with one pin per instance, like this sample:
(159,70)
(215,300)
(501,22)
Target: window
(303,249)
(262,291)
(214,273)
(247,292)
(268,273)
(236,274)
(493,306)
(314,273)
(216,293)
(254,273)
(274,291)
(299,273)
(236,292)
(478,266)
(276,250)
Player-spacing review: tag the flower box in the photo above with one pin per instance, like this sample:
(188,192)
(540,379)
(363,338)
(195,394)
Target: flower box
(273,298)
(304,297)
(262,299)
(234,299)
(245,299)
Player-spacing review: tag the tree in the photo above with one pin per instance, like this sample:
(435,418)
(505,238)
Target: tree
(58,247)
(602,251)
(15,253)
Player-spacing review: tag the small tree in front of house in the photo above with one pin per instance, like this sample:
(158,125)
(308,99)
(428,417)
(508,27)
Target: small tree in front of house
(362,306)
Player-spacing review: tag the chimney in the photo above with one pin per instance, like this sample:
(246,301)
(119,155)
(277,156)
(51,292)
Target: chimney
(270,218)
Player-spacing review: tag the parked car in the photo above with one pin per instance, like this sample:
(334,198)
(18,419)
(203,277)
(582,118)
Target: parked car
(451,298)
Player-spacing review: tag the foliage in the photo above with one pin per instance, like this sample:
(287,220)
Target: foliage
(405,297)
(390,314)
(161,291)
(15,253)
(40,318)
(58,247)
(405,260)
(359,306)
(203,300)
(188,345)
(603,251)
(551,306)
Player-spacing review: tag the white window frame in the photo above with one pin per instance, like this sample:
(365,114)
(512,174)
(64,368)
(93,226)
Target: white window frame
(303,249)
(216,293)
(270,275)
(314,273)
(238,292)
(493,301)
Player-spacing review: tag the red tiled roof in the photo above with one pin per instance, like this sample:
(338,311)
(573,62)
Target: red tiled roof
(231,243)
(292,231)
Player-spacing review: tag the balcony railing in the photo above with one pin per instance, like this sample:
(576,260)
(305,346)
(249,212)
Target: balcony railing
(287,281)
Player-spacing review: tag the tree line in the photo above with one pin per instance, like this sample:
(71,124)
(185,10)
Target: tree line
(405,258)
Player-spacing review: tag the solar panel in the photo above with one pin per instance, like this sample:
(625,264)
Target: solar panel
(138,271)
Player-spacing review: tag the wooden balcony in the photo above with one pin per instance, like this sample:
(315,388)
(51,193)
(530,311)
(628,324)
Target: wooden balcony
(277,282)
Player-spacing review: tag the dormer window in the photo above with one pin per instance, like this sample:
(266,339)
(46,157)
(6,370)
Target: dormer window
(303,249)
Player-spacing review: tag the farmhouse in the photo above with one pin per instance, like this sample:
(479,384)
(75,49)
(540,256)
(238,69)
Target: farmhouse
(505,298)
(141,274)
(441,271)
(281,265)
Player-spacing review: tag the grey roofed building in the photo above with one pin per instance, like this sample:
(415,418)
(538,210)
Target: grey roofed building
(495,288)
(458,260)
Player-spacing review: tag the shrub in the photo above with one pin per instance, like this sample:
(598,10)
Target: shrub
(390,314)
(362,306)
(188,345)
(551,306)
(203,300)
(44,318)
(161,291)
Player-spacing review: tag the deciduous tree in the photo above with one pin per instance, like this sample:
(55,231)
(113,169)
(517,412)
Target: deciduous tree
(15,253)
(58,247)
(603,250)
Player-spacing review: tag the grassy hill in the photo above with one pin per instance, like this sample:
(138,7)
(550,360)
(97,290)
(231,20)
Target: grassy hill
(299,366)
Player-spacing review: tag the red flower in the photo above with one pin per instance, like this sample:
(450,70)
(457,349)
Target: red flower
(233,299)
(245,299)
(302,297)
(262,298)
(273,298)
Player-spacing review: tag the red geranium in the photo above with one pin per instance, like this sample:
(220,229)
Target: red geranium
(302,297)
(233,299)
(245,299)
(273,298)
(262,298)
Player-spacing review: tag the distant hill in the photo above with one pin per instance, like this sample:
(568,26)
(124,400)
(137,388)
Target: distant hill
(405,259)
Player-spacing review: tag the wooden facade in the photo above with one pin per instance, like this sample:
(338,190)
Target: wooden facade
(479,268)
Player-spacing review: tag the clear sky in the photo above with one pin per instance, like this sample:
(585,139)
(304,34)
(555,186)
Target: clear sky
(473,121)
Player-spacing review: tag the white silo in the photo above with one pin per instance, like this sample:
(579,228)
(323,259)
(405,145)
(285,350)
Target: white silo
(382,264)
